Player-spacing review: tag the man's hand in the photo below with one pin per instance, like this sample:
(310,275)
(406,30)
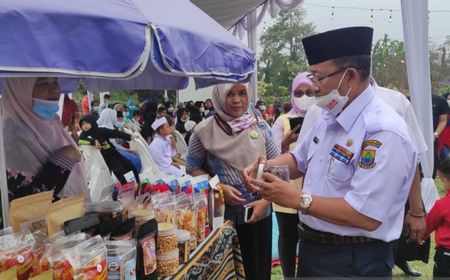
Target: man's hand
(277,190)
(231,195)
(415,228)
(259,207)
(249,173)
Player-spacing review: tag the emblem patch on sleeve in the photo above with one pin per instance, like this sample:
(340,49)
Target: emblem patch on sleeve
(367,159)
(368,153)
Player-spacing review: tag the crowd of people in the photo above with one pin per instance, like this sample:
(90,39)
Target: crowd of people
(347,198)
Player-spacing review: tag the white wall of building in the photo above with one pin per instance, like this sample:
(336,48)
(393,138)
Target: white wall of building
(195,95)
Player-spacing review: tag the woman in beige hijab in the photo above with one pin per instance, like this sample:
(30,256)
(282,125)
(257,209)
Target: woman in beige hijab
(223,145)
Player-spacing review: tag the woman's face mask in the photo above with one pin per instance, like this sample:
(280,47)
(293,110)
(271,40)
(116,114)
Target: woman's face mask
(304,102)
(46,109)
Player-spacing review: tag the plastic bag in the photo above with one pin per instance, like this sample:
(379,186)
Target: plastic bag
(164,204)
(86,260)
(16,251)
(187,213)
(203,228)
(100,183)
(40,265)
(121,259)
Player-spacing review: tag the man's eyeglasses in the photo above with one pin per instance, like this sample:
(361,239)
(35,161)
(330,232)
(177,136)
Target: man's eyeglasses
(318,80)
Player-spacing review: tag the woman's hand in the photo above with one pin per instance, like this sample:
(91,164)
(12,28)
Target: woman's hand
(289,138)
(70,152)
(231,195)
(259,207)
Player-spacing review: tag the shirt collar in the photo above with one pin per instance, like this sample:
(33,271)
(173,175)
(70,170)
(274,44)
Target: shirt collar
(167,138)
(348,117)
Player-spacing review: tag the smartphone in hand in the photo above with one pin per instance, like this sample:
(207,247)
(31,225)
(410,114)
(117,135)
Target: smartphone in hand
(293,122)
(248,214)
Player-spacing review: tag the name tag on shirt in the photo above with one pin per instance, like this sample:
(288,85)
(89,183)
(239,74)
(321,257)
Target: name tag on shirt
(341,154)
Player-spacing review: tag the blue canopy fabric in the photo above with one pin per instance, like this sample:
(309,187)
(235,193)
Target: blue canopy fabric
(119,44)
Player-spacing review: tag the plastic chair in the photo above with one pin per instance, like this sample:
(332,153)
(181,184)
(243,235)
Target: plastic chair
(148,164)
(182,147)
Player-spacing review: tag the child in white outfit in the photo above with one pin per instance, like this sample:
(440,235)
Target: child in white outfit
(162,149)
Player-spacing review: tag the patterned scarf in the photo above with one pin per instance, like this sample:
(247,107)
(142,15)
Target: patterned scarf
(242,123)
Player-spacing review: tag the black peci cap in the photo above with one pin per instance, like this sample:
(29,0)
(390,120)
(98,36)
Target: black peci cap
(338,43)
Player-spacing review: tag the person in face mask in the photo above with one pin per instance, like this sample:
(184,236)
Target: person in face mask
(40,154)
(260,109)
(286,136)
(182,118)
(359,161)
(201,108)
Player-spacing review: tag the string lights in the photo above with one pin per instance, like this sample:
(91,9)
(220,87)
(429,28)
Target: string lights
(371,10)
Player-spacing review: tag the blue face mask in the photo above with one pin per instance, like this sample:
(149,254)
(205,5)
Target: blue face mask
(118,124)
(46,109)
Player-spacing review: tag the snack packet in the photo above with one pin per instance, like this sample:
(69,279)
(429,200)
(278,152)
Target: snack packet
(64,210)
(164,204)
(29,212)
(16,251)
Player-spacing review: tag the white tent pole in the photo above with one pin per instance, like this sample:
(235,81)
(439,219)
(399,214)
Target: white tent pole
(252,25)
(3,181)
(415,33)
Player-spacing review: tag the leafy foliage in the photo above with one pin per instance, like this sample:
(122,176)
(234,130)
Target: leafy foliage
(282,55)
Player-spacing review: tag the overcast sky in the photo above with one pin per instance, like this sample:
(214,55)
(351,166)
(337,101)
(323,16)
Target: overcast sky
(356,15)
(321,17)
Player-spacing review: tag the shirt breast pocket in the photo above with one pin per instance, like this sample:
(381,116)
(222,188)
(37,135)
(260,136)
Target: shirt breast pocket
(339,171)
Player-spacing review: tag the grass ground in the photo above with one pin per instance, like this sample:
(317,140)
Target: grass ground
(426,269)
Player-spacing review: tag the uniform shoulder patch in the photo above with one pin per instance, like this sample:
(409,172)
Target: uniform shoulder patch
(371,143)
(368,153)
(367,159)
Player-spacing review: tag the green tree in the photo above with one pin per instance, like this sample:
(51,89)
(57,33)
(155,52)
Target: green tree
(388,64)
(282,55)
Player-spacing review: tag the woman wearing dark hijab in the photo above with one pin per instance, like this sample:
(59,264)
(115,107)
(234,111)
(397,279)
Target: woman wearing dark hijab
(149,117)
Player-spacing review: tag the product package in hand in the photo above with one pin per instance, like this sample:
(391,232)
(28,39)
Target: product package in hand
(281,171)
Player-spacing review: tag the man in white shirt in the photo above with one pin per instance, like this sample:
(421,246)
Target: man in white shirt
(358,162)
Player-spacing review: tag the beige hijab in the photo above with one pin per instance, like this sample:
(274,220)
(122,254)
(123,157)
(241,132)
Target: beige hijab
(30,140)
(238,150)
